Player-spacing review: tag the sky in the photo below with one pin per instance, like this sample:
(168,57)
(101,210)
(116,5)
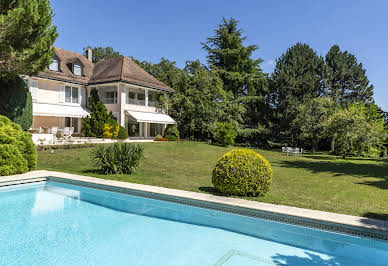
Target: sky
(174,29)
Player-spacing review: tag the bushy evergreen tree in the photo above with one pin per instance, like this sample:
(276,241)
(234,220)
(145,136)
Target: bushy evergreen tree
(297,78)
(26,36)
(346,78)
(15,101)
(242,75)
(93,125)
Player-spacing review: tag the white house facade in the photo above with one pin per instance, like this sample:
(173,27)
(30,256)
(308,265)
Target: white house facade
(60,93)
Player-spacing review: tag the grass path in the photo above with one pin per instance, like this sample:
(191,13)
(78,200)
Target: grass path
(321,182)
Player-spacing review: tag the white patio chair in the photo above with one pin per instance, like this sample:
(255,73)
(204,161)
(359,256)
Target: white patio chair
(41,130)
(54,131)
(66,131)
(71,131)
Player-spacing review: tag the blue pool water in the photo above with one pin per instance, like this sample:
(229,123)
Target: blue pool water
(52,223)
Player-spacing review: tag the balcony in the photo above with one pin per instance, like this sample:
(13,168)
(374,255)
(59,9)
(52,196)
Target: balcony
(136,102)
(110,100)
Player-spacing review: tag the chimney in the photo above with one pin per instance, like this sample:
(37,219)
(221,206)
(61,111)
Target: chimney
(89,54)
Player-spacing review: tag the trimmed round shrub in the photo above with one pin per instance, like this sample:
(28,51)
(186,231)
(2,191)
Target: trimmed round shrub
(171,130)
(18,153)
(171,138)
(224,133)
(16,101)
(117,158)
(11,160)
(123,133)
(242,172)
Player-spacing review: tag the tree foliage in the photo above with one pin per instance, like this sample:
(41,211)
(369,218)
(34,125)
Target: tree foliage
(312,120)
(242,75)
(99,53)
(26,36)
(15,101)
(346,78)
(232,60)
(94,125)
(199,99)
(297,78)
(359,130)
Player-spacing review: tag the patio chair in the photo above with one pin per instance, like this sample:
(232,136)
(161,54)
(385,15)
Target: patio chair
(41,130)
(54,131)
(66,131)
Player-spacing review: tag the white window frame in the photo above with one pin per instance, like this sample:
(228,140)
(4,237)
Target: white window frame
(71,99)
(77,66)
(136,100)
(110,100)
(54,66)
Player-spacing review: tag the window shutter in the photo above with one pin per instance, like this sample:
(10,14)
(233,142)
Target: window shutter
(62,94)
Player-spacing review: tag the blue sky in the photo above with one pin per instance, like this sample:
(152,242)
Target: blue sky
(149,30)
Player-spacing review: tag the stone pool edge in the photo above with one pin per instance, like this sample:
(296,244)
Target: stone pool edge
(358,226)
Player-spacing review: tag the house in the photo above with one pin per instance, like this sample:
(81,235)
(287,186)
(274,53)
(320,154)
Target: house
(60,93)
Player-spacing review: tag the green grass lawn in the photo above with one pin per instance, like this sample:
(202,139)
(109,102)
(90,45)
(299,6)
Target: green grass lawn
(321,182)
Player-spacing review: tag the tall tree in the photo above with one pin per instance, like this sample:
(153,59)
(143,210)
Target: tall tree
(26,36)
(346,78)
(232,60)
(241,75)
(312,119)
(99,53)
(297,78)
(93,125)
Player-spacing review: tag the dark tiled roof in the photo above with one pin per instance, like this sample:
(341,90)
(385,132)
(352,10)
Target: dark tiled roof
(124,69)
(114,69)
(65,73)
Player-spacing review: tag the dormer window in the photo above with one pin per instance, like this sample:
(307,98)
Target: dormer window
(54,65)
(77,70)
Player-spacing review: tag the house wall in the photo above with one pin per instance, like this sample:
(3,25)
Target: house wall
(45,121)
(49,91)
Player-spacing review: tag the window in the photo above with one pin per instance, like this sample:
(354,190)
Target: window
(136,97)
(152,98)
(54,65)
(71,94)
(155,129)
(77,70)
(72,122)
(110,97)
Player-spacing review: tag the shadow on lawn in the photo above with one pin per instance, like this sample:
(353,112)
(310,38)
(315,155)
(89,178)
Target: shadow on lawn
(374,215)
(211,190)
(339,168)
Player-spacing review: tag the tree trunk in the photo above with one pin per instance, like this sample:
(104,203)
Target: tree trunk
(332,144)
(315,145)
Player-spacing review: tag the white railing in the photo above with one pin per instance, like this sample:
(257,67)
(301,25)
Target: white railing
(136,102)
(151,104)
(110,100)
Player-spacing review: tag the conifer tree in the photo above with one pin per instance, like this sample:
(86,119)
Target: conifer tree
(26,37)
(93,125)
(346,78)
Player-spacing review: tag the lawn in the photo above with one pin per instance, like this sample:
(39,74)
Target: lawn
(321,182)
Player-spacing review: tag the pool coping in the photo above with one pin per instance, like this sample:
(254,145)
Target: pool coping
(342,223)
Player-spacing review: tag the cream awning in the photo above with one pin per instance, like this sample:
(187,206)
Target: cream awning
(151,117)
(45,109)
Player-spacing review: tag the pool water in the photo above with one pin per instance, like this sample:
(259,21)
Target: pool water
(51,223)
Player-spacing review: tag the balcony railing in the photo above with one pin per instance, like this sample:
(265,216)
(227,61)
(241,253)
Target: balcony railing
(136,102)
(110,100)
(151,104)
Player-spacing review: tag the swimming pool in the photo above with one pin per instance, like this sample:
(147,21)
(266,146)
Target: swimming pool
(52,223)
